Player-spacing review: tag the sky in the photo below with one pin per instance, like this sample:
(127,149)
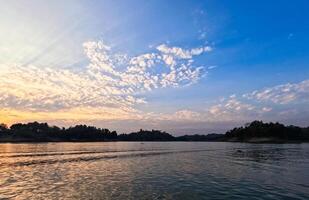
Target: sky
(185,67)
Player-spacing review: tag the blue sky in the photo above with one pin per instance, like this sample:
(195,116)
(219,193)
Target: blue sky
(241,58)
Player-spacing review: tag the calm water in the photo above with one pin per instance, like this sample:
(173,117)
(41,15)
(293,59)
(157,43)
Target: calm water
(119,170)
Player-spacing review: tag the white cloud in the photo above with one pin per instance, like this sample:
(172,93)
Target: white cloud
(110,81)
(282,102)
(182,53)
(230,109)
(266,109)
(283,94)
(112,86)
(181,115)
(212,67)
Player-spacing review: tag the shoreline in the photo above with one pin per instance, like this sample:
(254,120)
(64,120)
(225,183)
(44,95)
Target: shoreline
(253,141)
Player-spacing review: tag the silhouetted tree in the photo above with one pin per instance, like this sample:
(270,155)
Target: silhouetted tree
(144,135)
(44,132)
(259,129)
(3,127)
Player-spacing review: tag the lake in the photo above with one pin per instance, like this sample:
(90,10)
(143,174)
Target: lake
(154,170)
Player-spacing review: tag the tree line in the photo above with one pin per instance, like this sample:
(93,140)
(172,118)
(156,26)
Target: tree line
(35,131)
(42,132)
(259,129)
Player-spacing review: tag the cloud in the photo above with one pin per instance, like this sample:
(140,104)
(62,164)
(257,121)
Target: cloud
(111,84)
(182,53)
(282,94)
(179,61)
(266,109)
(141,72)
(212,67)
(283,102)
(226,110)
(180,115)
(231,109)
